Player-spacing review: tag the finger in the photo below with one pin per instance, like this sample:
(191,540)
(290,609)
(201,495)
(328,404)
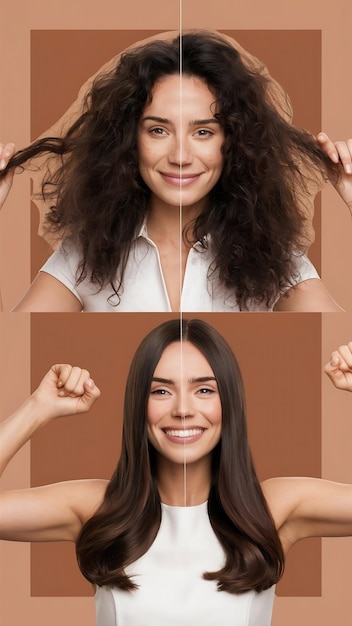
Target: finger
(341,381)
(74,383)
(79,388)
(6,152)
(345,353)
(344,151)
(91,391)
(334,364)
(339,378)
(328,146)
(84,401)
(61,372)
(7,180)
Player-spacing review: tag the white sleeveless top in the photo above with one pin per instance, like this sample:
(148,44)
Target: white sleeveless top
(172,591)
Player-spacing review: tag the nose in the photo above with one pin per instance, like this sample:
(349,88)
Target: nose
(182,407)
(180,151)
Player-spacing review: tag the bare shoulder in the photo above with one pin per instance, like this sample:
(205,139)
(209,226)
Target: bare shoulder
(277,495)
(48,294)
(86,496)
(310,295)
(284,494)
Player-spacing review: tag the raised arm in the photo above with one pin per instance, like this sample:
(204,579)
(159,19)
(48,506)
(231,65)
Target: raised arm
(52,512)
(310,507)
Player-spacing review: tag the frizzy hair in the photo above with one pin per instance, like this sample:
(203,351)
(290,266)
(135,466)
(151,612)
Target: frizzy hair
(253,214)
(128,520)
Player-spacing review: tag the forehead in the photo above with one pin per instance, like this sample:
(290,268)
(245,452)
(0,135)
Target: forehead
(182,359)
(190,91)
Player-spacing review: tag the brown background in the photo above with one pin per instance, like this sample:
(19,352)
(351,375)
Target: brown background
(334,20)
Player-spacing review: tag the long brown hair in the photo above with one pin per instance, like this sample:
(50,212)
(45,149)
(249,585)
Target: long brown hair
(128,520)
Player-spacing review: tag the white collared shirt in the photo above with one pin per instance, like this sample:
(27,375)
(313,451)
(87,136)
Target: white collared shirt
(144,287)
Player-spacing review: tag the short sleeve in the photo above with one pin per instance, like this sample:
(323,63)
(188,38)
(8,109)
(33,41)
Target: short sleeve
(304,268)
(63,266)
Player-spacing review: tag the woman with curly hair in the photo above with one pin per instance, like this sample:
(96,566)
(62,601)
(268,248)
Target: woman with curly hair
(179,187)
(161,549)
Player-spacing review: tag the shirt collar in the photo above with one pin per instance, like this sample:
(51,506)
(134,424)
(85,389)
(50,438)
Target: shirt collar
(143,232)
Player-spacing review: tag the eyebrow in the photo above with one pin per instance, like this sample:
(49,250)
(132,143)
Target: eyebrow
(164,120)
(169,381)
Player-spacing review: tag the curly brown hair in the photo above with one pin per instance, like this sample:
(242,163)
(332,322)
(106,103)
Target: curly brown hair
(253,214)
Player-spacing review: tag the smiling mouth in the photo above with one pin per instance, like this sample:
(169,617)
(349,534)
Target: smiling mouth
(183,434)
(176,179)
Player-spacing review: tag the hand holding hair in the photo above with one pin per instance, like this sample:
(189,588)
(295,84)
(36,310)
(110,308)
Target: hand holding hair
(340,152)
(6,152)
(339,369)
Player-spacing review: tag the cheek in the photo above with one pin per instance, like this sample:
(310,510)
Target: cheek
(143,151)
(217,415)
(154,413)
(150,419)
(214,159)
(149,433)
(149,152)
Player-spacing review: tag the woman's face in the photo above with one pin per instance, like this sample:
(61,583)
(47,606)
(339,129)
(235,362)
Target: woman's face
(184,408)
(180,141)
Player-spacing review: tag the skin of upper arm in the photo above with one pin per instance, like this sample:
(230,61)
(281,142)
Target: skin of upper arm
(308,296)
(309,507)
(54,512)
(47,294)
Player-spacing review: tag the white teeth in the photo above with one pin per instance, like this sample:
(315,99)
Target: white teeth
(191,432)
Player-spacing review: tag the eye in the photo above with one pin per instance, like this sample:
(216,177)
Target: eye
(159,392)
(157,131)
(203,391)
(204,132)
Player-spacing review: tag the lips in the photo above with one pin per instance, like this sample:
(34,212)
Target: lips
(187,432)
(182,436)
(179,181)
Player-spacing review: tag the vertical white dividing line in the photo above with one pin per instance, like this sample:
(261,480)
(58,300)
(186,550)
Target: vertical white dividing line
(180,258)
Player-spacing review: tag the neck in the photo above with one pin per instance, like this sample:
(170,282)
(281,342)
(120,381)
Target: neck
(169,221)
(184,485)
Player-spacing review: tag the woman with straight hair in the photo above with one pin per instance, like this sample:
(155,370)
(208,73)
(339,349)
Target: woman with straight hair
(167,203)
(183,533)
